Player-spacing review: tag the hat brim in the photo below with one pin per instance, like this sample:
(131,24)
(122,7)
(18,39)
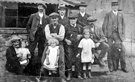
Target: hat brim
(92,20)
(62,8)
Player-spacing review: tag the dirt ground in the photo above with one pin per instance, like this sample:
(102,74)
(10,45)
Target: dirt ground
(98,75)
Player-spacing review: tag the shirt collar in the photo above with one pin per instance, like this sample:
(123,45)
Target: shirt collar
(73,25)
(115,12)
(40,14)
(62,16)
(82,14)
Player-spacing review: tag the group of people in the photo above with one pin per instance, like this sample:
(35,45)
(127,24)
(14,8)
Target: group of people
(67,45)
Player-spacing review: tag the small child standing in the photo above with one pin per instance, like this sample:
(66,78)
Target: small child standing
(52,56)
(86,47)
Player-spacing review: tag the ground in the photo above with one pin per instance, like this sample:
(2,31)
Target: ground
(98,74)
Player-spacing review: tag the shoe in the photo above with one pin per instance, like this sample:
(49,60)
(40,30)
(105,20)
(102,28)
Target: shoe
(124,70)
(89,76)
(63,80)
(85,76)
(69,77)
(79,77)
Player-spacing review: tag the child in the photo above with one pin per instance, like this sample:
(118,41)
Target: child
(23,53)
(87,58)
(52,56)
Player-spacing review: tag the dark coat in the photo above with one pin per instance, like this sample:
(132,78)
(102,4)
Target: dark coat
(108,26)
(12,64)
(63,21)
(33,22)
(72,32)
(82,20)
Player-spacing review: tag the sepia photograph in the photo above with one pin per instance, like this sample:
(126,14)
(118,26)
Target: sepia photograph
(67,40)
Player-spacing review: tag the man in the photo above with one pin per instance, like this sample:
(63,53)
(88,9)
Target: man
(62,15)
(35,28)
(100,40)
(72,38)
(82,15)
(114,30)
(56,30)
(12,64)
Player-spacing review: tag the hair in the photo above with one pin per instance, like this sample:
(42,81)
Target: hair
(53,40)
(86,30)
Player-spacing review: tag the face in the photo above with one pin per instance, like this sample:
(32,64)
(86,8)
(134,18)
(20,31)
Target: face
(62,12)
(16,43)
(53,44)
(115,8)
(40,8)
(73,21)
(54,19)
(87,35)
(82,9)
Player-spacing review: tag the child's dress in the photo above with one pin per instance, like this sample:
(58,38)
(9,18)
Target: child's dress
(53,53)
(25,53)
(86,54)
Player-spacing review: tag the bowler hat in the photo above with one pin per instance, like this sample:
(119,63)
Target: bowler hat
(72,16)
(82,4)
(114,3)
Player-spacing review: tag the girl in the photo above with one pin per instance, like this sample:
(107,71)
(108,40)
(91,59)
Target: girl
(85,49)
(52,56)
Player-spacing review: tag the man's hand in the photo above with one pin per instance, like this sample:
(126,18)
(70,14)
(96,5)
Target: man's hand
(53,34)
(79,37)
(68,42)
(77,55)
(97,44)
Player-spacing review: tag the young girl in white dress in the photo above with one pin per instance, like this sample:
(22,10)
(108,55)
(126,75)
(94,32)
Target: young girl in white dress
(87,58)
(52,56)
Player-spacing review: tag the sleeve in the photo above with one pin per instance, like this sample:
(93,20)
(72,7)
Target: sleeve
(104,26)
(61,32)
(123,27)
(92,44)
(47,32)
(81,44)
(28,52)
(28,26)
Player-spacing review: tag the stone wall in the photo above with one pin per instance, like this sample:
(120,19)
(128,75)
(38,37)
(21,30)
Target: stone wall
(98,8)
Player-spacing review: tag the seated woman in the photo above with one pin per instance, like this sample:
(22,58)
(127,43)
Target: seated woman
(51,56)
(13,62)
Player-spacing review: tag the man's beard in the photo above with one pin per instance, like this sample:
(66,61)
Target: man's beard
(41,10)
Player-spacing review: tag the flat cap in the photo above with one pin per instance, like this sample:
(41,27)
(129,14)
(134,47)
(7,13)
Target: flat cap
(42,5)
(72,16)
(82,4)
(53,14)
(14,38)
(91,19)
(61,7)
(114,3)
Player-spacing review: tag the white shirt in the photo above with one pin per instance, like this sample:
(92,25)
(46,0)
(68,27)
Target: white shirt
(115,12)
(60,35)
(82,14)
(62,16)
(41,16)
